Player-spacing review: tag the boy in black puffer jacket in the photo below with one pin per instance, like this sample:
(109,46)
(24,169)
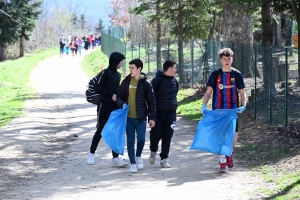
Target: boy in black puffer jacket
(137,92)
(165,88)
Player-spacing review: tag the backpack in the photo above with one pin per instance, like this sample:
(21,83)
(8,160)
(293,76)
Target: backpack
(91,95)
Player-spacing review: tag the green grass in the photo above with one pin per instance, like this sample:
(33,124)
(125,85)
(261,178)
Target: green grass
(189,105)
(287,185)
(94,62)
(14,83)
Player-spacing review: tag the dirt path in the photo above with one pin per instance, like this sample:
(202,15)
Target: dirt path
(41,159)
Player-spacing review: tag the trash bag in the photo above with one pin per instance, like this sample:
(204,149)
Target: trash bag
(113,132)
(215,132)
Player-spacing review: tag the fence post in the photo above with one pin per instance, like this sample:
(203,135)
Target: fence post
(270,86)
(131,50)
(255,82)
(168,49)
(206,62)
(125,61)
(242,54)
(139,50)
(286,86)
(148,57)
(192,59)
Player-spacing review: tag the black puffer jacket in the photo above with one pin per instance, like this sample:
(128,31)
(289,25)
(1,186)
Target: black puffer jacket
(165,90)
(145,100)
(110,79)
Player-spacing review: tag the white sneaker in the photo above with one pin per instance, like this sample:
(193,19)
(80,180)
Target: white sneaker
(133,168)
(139,162)
(164,163)
(118,162)
(91,159)
(152,157)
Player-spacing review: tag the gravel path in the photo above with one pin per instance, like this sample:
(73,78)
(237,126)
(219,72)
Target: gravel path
(41,159)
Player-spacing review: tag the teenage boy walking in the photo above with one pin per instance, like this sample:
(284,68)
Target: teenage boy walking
(225,83)
(108,87)
(165,88)
(137,92)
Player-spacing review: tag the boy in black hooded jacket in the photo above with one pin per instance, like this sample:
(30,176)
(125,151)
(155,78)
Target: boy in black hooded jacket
(107,88)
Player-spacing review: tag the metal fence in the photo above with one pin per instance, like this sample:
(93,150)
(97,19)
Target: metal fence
(270,73)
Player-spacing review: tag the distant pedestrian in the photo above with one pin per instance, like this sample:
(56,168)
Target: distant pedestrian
(61,47)
(73,46)
(79,45)
(67,47)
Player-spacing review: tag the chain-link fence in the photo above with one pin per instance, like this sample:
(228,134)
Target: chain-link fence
(270,73)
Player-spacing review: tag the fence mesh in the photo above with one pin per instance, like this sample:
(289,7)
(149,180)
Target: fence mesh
(270,73)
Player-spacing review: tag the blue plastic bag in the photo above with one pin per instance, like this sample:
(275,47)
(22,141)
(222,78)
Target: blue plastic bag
(215,132)
(113,132)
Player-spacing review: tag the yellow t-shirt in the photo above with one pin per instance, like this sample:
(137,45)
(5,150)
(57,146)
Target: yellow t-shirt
(132,98)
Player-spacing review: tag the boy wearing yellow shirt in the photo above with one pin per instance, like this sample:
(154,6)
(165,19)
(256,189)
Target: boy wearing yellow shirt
(137,92)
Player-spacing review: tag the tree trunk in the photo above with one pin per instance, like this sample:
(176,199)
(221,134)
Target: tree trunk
(212,28)
(287,28)
(180,46)
(158,37)
(238,29)
(297,16)
(277,36)
(3,54)
(22,46)
(266,42)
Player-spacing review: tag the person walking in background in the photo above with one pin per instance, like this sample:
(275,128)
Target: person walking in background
(76,45)
(79,45)
(86,43)
(111,79)
(225,83)
(93,41)
(89,38)
(165,87)
(73,47)
(61,47)
(137,92)
(67,47)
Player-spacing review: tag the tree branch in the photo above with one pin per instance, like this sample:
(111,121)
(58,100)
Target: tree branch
(10,17)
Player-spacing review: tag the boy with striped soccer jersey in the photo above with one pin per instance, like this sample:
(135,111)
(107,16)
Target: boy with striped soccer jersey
(225,83)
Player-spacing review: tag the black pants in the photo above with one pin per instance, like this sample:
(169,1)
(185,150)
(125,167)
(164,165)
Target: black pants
(163,130)
(103,112)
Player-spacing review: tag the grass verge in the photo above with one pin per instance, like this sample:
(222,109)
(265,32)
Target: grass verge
(94,62)
(14,79)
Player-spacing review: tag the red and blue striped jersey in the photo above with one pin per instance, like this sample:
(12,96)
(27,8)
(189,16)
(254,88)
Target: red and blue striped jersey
(225,88)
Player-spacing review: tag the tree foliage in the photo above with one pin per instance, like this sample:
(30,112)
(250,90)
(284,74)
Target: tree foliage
(100,26)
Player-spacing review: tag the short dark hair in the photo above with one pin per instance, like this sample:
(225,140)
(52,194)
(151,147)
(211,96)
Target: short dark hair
(225,52)
(137,62)
(167,64)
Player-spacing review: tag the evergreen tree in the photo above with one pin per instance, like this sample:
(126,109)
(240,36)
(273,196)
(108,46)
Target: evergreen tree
(27,12)
(100,26)
(10,27)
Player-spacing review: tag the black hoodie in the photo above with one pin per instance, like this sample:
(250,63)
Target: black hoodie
(110,79)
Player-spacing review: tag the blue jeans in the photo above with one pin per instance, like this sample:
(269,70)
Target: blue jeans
(138,126)
(67,50)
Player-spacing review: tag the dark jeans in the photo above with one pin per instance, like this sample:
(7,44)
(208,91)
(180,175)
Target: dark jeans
(163,130)
(103,112)
(139,127)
